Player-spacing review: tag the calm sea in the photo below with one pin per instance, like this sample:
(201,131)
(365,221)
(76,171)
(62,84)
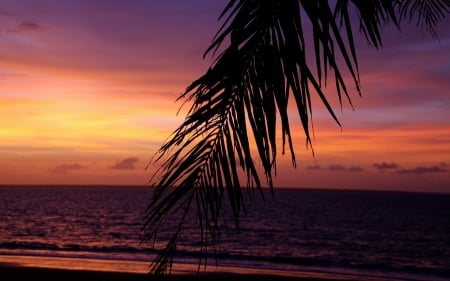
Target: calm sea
(406,235)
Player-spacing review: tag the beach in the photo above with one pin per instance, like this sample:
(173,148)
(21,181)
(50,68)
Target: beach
(68,269)
(10,271)
(24,273)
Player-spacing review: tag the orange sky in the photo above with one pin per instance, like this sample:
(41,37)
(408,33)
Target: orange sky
(87,96)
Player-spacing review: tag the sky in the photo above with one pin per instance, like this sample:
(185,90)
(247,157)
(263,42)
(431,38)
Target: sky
(88,95)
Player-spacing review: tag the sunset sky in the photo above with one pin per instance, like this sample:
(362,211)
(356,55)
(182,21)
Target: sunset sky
(88,94)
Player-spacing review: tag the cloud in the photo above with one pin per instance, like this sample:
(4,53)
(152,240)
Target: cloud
(313,167)
(125,164)
(339,168)
(355,169)
(5,13)
(420,170)
(65,168)
(336,168)
(27,26)
(386,166)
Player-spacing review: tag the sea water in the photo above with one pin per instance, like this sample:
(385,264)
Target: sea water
(372,233)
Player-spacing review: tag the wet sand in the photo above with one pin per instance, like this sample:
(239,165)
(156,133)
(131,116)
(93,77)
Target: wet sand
(79,269)
(11,272)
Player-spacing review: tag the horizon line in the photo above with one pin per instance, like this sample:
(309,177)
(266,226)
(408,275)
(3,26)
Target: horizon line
(55,185)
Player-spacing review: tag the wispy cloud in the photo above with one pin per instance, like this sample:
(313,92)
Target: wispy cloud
(386,166)
(354,169)
(336,168)
(27,26)
(5,13)
(339,168)
(313,167)
(420,170)
(125,164)
(66,168)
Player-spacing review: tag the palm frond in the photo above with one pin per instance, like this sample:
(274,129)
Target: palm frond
(428,13)
(231,127)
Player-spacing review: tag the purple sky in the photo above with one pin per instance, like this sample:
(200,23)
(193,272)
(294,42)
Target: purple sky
(88,89)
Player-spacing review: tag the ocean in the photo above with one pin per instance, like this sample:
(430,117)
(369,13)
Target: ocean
(398,235)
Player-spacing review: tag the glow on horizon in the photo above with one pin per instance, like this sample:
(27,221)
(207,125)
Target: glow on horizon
(88,99)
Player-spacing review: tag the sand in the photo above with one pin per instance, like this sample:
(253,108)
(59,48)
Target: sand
(11,272)
(78,269)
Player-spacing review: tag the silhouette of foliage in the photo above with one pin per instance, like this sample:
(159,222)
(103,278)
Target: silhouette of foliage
(265,65)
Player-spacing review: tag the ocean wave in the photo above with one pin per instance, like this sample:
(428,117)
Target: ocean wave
(18,245)
(225,259)
(348,230)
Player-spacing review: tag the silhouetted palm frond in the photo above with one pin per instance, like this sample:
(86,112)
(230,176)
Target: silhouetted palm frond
(279,52)
(426,12)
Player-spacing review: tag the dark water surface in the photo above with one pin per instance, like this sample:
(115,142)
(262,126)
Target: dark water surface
(403,234)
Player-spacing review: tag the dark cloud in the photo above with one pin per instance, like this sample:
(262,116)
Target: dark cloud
(355,169)
(419,170)
(126,164)
(5,13)
(27,26)
(386,166)
(338,168)
(313,167)
(65,168)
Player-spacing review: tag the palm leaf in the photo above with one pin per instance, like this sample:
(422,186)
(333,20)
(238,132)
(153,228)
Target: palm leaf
(238,101)
(427,13)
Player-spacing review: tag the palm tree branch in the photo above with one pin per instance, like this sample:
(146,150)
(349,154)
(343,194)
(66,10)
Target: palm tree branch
(245,91)
(428,13)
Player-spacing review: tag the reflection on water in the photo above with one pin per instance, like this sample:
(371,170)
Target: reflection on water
(72,218)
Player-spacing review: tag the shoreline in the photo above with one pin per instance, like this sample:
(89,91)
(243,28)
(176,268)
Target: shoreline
(76,269)
(14,272)
(266,189)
